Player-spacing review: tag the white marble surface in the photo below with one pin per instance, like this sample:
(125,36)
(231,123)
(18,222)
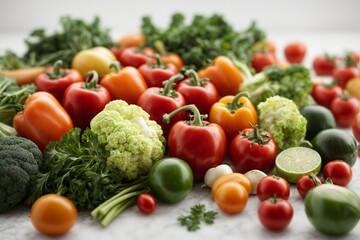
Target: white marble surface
(163,223)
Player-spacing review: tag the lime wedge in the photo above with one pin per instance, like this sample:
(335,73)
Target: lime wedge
(294,162)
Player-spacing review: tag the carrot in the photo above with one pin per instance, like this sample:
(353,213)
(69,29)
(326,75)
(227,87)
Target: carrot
(24,75)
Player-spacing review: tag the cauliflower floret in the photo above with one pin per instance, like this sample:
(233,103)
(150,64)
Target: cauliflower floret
(281,117)
(133,140)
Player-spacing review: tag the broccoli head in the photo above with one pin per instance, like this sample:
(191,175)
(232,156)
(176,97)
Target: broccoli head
(20,160)
(281,117)
(293,83)
(133,140)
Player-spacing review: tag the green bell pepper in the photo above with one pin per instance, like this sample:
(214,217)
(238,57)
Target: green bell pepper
(332,209)
(170,180)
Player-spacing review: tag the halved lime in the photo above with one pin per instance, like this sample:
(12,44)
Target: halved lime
(294,162)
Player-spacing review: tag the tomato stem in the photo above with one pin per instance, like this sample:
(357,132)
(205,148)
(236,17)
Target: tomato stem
(257,136)
(197,118)
(315,181)
(57,73)
(91,80)
(194,78)
(168,89)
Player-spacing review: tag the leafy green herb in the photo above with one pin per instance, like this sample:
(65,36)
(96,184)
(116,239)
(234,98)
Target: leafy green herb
(10,60)
(203,38)
(76,35)
(12,98)
(197,214)
(75,167)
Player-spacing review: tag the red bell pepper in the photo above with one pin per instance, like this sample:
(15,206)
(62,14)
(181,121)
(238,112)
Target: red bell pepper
(158,72)
(158,101)
(201,144)
(55,80)
(200,92)
(84,100)
(134,57)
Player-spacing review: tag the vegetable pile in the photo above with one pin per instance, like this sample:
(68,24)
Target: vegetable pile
(89,123)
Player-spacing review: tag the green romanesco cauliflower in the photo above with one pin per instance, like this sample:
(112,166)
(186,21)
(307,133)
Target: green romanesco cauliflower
(133,140)
(281,117)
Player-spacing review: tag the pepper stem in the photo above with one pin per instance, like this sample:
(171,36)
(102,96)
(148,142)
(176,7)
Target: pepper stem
(235,104)
(197,117)
(160,47)
(168,89)
(116,66)
(194,78)
(57,73)
(91,80)
(158,63)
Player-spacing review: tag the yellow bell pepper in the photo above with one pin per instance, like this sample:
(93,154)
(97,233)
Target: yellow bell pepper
(97,58)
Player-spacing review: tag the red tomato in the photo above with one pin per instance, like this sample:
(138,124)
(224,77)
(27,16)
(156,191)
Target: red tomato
(295,52)
(270,186)
(323,94)
(338,171)
(261,60)
(343,75)
(323,65)
(250,151)
(355,126)
(275,214)
(307,182)
(345,108)
(146,203)
(53,214)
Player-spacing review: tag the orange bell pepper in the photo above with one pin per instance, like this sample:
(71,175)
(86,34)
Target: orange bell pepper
(225,75)
(125,83)
(234,113)
(42,120)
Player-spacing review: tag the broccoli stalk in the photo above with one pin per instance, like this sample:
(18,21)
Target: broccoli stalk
(293,83)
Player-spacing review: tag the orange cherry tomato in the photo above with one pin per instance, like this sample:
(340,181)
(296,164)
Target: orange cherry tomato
(231,197)
(53,214)
(231,177)
(133,39)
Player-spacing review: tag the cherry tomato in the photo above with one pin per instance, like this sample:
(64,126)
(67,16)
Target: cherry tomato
(53,214)
(345,108)
(231,177)
(270,186)
(146,203)
(355,126)
(231,197)
(295,52)
(253,149)
(275,214)
(338,171)
(323,65)
(307,182)
(261,60)
(323,94)
(344,74)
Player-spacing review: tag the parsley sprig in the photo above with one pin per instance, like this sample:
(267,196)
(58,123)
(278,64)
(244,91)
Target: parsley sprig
(197,214)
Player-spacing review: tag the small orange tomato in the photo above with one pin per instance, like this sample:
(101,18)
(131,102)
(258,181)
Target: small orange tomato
(231,177)
(53,214)
(133,39)
(231,197)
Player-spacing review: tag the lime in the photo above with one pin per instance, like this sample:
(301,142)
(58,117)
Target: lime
(294,162)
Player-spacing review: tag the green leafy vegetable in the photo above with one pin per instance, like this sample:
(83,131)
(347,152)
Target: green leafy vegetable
(12,98)
(203,38)
(10,60)
(197,214)
(293,83)
(44,49)
(75,167)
